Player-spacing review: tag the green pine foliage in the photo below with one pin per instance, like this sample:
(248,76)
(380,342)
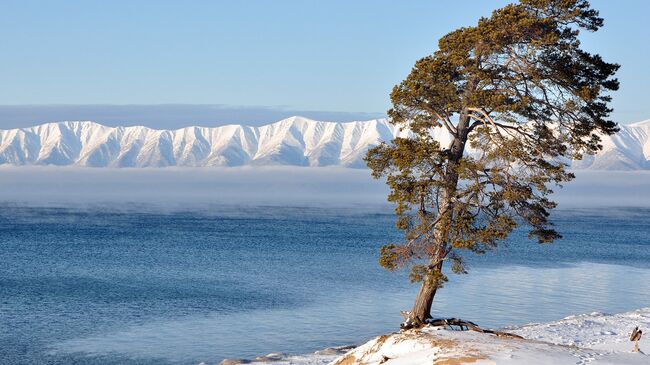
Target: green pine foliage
(516,89)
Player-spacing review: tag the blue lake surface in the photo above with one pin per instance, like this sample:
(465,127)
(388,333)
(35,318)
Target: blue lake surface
(138,286)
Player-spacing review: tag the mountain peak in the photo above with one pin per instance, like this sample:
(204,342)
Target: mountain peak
(296,141)
(643,123)
(293,141)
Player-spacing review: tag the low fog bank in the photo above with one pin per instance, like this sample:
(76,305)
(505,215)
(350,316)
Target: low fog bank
(188,188)
(594,189)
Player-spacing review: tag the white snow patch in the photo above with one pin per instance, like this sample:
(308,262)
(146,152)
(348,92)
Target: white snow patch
(595,338)
(598,331)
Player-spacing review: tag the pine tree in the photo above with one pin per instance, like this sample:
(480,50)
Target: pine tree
(519,98)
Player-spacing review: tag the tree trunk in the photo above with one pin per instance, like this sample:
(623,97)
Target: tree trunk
(422,308)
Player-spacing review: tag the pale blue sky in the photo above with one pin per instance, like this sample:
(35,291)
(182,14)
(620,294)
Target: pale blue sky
(334,56)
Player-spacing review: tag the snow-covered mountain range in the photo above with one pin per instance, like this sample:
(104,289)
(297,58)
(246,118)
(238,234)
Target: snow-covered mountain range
(294,141)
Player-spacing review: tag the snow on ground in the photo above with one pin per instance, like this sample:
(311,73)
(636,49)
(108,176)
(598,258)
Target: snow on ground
(595,339)
(602,332)
(435,345)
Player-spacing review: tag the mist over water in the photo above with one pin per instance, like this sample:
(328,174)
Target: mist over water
(179,266)
(189,188)
(196,188)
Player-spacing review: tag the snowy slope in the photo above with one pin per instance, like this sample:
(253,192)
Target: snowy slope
(629,149)
(596,338)
(585,339)
(294,141)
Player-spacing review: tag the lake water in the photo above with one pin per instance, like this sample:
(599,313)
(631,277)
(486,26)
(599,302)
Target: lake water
(138,286)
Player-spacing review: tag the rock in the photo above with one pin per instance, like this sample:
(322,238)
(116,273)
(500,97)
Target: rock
(274,356)
(234,361)
(334,350)
(328,351)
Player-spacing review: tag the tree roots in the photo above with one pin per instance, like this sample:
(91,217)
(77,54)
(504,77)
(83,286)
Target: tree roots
(455,324)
